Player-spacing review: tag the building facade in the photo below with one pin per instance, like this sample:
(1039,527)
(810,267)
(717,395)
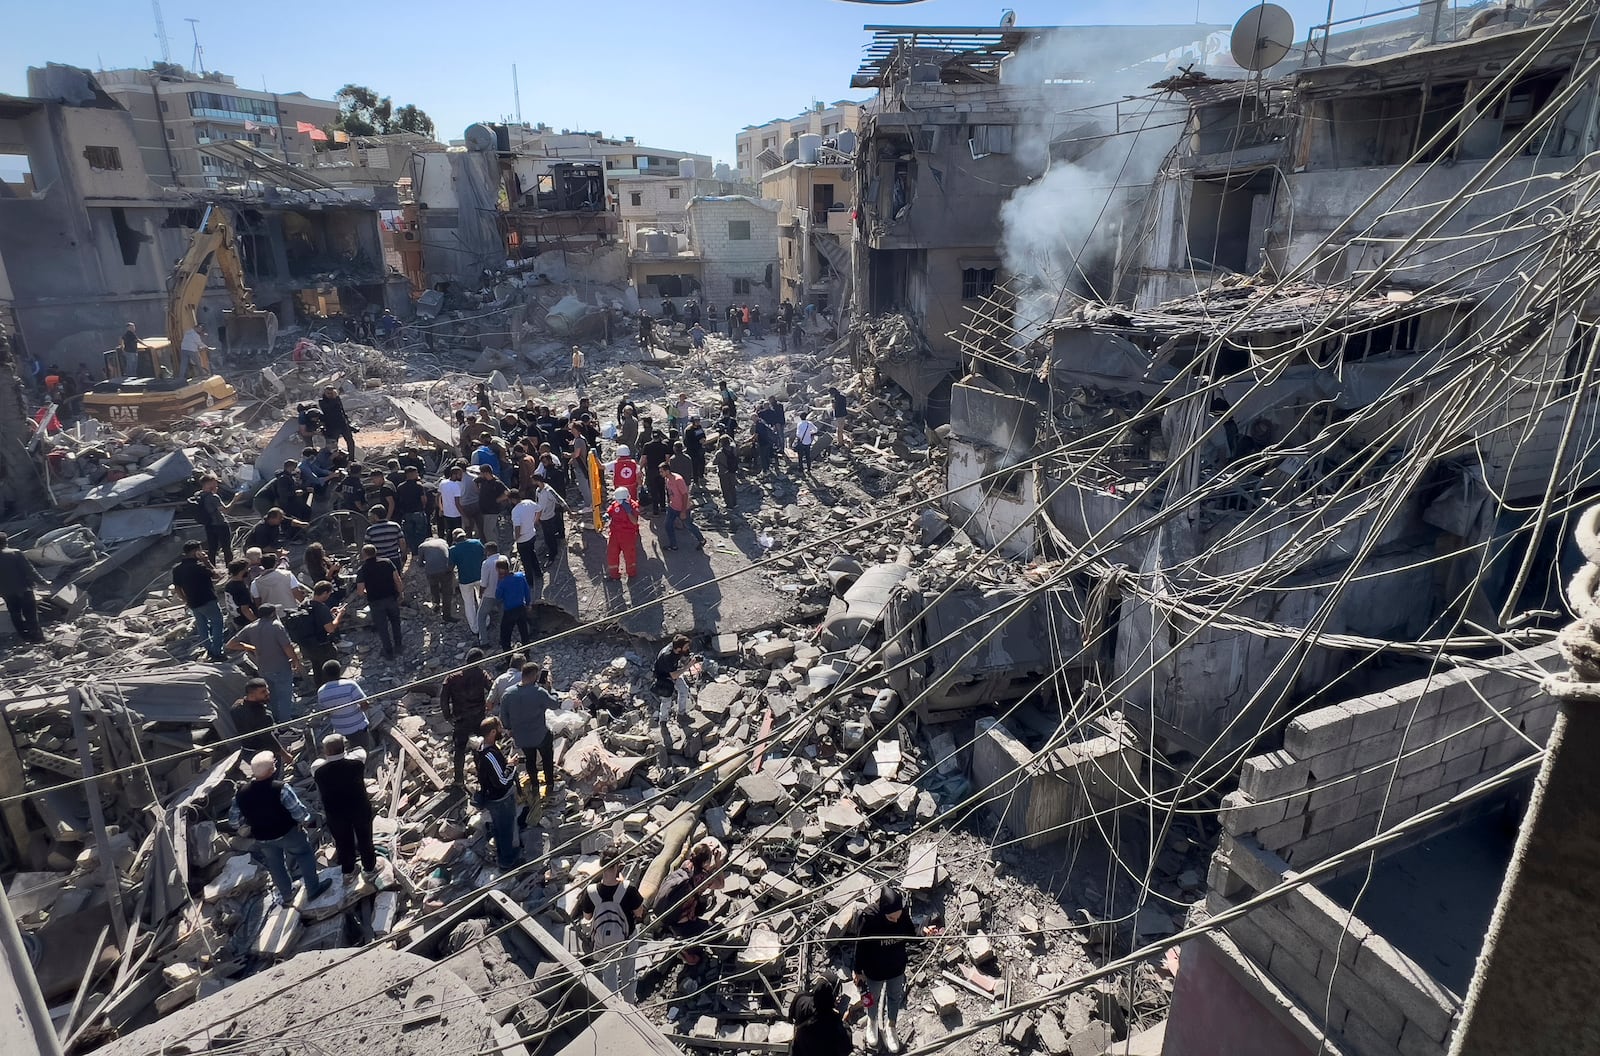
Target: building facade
(537,146)
(95,250)
(175,113)
(661,203)
(758,149)
(815,202)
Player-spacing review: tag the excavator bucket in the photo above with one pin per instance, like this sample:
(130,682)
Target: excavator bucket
(250,330)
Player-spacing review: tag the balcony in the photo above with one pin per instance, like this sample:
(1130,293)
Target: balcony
(234,115)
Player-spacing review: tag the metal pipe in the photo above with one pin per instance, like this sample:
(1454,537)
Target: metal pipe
(20,999)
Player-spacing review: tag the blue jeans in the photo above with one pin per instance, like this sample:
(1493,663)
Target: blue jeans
(208,626)
(503,824)
(673,517)
(276,854)
(281,685)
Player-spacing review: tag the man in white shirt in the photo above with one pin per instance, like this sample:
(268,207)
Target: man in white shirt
(488,603)
(525,526)
(450,501)
(805,434)
(194,340)
(550,520)
(278,586)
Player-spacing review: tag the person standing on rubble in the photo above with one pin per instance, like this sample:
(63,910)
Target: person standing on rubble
(193,578)
(647,329)
(523,711)
(378,580)
(341,779)
(18,577)
(450,486)
(516,598)
(386,537)
(622,539)
(268,811)
(551,517)
(209,509)
(274,655)
(497,792)
(237,590)
(805,434)
(488,600)
(525,530)
(335,419)
(883,931)
(346,704)
(434,553)
(464,699)
(579,377)
(611,909)
(694,445)
(466,556)
(841,415)
(494,499)
(412,501)
(726,462)
(679,508)
(254,724)
(625,471)
(325,621)
(673,668)
(278,586)
(653,451)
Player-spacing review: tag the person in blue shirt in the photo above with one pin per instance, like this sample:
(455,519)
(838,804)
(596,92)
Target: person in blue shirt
(515,597)
(486,455)
(466,555)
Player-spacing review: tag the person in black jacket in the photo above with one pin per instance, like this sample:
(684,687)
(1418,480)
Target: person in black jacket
(342,783)
(819,1030)
(497,791)
(269,812)
(335,420)
(880,964)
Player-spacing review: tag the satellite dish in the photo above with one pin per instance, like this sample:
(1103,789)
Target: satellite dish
(1008,18)
(1262,37)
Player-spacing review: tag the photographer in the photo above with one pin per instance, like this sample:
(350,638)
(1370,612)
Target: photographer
(674,666)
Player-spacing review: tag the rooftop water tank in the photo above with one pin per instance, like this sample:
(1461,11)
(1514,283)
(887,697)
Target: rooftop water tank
(791,149)
(686,168)
(925,73)
(847,142)
(810,143)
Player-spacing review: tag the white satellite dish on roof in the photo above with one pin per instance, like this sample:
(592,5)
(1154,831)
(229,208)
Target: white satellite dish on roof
(1008,18)
(1262,37)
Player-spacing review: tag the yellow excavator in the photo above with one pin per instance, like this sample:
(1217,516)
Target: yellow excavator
(168,396)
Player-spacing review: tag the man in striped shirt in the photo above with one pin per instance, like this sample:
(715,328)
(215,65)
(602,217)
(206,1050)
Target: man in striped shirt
(349,704)
(386,536)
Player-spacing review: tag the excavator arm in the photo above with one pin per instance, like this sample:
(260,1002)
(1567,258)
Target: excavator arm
(215,247)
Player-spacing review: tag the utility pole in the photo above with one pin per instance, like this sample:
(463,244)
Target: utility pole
(1533,990)
(516,92)
(29,1031)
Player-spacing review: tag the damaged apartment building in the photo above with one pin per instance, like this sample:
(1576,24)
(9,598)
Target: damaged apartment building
(90,236)
(1314,468)
(962,119)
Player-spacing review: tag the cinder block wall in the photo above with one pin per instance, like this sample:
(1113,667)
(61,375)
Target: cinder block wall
(1322,792)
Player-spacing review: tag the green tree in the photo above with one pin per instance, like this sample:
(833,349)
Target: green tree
(363,112)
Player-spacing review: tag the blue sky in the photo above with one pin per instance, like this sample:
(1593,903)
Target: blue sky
(684,76)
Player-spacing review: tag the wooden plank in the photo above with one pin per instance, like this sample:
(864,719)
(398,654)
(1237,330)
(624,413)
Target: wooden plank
(417,757)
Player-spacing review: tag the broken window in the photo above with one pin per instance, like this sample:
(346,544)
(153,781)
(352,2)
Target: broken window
(1394,337)
(635,199)
(128,239)
(105,158)
(928,139)
(977,283)
(990,139)
(674,192)
(1228,219)
(741,287)
(738,230)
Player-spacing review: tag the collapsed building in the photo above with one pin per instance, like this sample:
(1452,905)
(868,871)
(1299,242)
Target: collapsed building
(89,244)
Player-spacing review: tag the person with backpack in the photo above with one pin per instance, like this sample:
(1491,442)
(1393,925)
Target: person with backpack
(883,932)
(612,908)
(678,903)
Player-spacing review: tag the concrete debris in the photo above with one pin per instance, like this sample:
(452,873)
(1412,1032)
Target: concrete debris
(828,781)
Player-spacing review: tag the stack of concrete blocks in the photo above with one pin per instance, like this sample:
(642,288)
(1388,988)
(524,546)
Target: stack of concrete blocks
(1323,794)
(1044,798)
(725,259)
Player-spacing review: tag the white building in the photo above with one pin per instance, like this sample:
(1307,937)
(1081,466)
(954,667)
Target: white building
(759,148)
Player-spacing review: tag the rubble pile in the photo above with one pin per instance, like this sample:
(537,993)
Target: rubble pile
(797,758)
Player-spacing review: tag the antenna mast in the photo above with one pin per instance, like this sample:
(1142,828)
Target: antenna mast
(516,91)
(199,60)
(161,32)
